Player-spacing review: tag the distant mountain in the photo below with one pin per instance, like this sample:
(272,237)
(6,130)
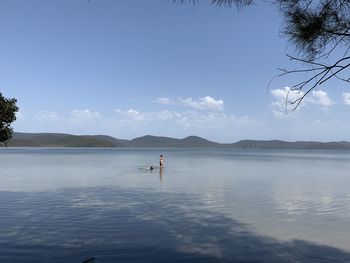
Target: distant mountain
(155,141)
(63,140)
(276,144)
(148,141)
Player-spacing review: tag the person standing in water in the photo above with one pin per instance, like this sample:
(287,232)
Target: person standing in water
(161,161)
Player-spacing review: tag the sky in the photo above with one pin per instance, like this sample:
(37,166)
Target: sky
(130,68)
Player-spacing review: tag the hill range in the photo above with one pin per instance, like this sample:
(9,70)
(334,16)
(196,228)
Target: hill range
(148,141)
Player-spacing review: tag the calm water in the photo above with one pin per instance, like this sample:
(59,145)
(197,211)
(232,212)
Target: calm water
(211,205)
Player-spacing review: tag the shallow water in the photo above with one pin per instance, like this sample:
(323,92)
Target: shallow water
(206,205)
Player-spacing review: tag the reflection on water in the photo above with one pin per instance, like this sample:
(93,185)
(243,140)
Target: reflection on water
(116,224)
(67,205)
(161,175)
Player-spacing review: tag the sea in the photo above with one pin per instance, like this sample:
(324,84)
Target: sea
(88,205)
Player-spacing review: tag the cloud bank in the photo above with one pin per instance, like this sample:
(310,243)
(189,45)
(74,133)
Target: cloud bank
(202,103)
(204,117)
(131,123)
(346,98)
(284,98)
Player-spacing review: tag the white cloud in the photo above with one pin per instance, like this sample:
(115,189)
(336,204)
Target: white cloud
(205,103)
(278,109)
(285,97)
(73,117)
(85,114)
(202,103)
(321,98)
(282,104)
(346,97)
(133,115)
(47,116)
(183,118)
(166,101)
(83,117)
(282,95)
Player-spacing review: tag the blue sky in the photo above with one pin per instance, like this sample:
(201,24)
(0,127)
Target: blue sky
(128,68)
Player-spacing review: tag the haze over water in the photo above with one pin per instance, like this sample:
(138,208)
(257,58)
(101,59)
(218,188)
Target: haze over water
(207,205)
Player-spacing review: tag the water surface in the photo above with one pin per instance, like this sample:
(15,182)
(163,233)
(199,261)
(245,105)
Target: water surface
(207,205)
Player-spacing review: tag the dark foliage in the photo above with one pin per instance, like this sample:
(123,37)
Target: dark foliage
(316,27)
(8,111)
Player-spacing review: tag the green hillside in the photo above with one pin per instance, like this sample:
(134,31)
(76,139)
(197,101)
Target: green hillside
(63,140)
(149,141)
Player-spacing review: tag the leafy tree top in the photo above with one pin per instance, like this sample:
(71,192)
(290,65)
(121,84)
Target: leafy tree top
(8,111)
